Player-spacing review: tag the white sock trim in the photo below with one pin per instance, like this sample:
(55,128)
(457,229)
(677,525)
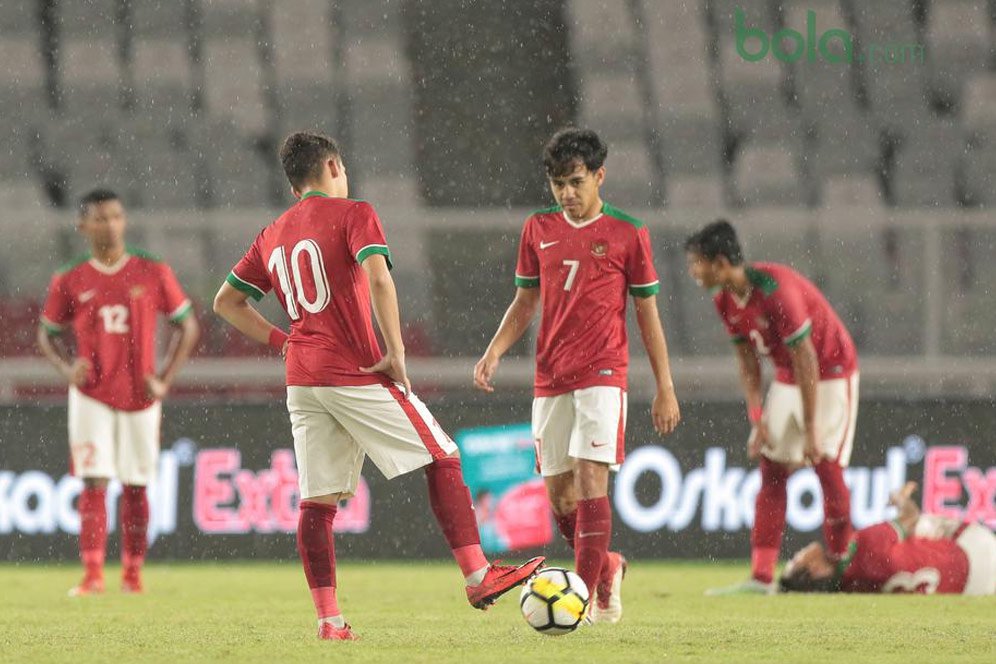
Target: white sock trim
(477,577)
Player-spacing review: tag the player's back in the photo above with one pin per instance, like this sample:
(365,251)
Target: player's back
(311,257)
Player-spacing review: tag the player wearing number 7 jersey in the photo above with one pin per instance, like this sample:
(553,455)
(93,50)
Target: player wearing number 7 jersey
(770,309)
(328,261)
(579,260)
(110,300)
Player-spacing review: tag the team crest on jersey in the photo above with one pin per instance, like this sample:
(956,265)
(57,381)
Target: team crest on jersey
(599,248)
(136,292)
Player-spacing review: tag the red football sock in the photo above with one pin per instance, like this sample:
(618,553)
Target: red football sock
(450,501)
(568,524)
(134,527)
(769,520)
(591,539)
(836,507)
(316,546)
(93,530)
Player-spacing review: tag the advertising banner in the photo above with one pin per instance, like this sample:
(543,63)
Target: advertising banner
(227,483)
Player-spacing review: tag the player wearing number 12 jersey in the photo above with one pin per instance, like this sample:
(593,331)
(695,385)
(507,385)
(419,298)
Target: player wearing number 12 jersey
(579,260)
(328,261)
(110,300)
(811,408)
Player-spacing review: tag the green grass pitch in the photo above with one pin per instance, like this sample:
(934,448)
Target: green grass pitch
(416,612)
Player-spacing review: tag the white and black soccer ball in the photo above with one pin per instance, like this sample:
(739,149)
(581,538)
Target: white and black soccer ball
(554,601)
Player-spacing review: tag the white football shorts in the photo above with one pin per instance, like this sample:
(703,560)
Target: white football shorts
(836,413)
(589,424)
(108,443)
(979,544)
(335,428)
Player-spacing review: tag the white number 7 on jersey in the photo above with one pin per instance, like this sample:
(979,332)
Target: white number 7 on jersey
(574,265)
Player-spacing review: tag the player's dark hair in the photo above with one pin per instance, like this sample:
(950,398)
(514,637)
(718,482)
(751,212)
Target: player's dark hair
(801,581)
(570,146)
(93,198)
(717,239)
(302,155)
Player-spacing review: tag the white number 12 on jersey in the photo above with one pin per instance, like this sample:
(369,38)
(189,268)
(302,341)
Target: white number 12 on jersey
(115,318)
(574,265)
(278,264)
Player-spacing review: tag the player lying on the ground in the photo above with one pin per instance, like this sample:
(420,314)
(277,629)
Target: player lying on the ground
(812,404)
(328,262)
(110,299)
(913,553)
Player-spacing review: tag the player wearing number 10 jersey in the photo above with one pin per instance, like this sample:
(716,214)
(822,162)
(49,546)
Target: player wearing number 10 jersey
(328,261)
(110,300)
(579,260)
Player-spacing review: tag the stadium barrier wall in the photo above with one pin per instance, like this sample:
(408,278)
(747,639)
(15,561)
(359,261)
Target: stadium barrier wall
(227,488)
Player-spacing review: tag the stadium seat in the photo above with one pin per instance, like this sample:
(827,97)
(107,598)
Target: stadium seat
(978,166)
(232,85)
(86,63)
(602,35)
(302,49)
(236,19)
(90,20)
(694,191)
(767,174)
(160,19)
(163,80)
(894,68)
(925,165)
(18,19)
(630,180)
(979,107)
(855,190)
(611,102)
(959,43)
(754,96)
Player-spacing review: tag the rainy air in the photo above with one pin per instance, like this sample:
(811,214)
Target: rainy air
(497,331)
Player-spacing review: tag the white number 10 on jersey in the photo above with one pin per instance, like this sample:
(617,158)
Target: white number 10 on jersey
(278,264)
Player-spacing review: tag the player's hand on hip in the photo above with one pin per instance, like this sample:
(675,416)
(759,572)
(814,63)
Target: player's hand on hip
(392,366)
(484,371)
(757,440)
(75,373)
(665,412)
(156,387)
(814,450)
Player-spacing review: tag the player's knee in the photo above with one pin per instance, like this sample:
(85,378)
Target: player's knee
(95,482)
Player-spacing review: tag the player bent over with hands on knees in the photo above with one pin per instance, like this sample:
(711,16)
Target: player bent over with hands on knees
(808,417)
(577,262)
(327,260)
(914,553)
(110,298)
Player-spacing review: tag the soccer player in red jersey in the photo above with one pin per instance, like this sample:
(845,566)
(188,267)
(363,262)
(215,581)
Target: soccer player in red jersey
(808,417)
(912,554)
(110,299)
(328,261)
(578,260)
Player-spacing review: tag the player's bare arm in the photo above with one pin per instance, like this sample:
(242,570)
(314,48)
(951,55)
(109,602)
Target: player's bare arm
(908,512)
(53,348)
(664,411)
(750,380)
(234,307)
(384,299)
(513,325)
(806,369)
(183,338)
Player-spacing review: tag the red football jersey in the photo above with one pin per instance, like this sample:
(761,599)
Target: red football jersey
(311,257)
(782,308)
(881,560)
(583,272)
(113,313)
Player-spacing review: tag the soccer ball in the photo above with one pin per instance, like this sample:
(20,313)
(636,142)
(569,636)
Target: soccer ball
(554,601)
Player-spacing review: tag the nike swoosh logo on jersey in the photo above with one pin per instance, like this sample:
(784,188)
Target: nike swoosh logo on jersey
(86,296)
(544,245)
(594,444)
(590,534)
